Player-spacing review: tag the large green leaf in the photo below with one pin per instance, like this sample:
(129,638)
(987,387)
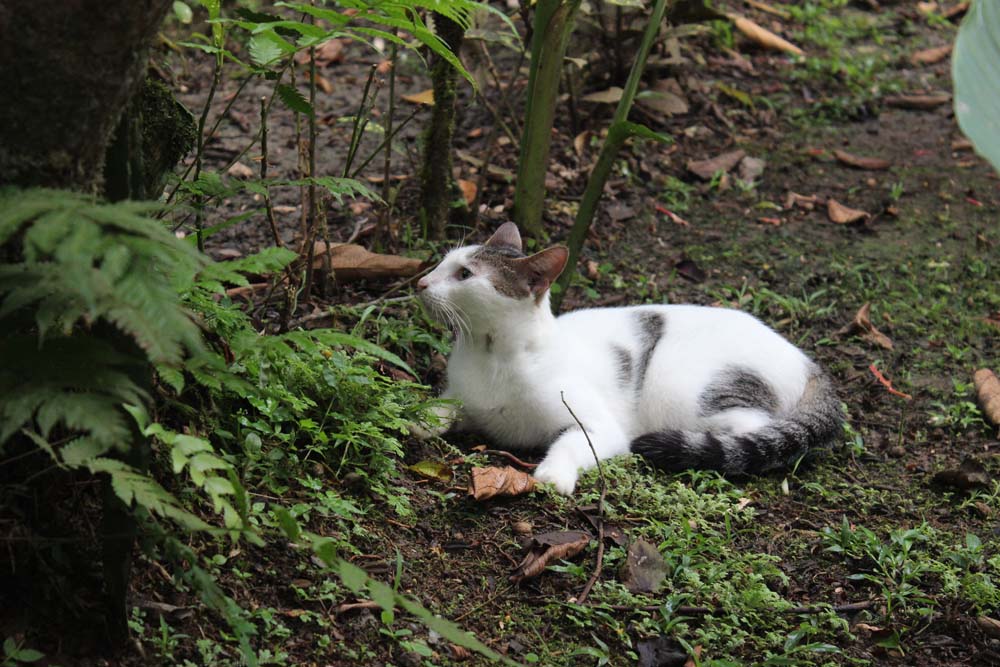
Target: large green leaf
(976,71)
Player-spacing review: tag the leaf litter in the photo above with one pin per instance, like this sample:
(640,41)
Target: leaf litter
(546,548)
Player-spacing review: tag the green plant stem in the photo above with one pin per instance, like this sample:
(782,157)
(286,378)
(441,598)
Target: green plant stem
(617,134)
(553,24)
(199,204)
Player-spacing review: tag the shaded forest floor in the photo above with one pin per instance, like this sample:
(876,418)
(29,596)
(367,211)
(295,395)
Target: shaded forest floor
(906,558)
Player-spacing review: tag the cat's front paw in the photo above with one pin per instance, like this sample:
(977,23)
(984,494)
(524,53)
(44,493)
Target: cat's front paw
(446,416)
(560,474)
(422,431)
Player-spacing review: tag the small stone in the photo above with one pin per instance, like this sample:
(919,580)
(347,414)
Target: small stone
(897,452)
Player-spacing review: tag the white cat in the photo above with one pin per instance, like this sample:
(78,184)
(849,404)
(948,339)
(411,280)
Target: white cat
(684,386)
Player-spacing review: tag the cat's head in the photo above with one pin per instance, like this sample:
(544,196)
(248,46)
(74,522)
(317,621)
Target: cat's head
(494,280)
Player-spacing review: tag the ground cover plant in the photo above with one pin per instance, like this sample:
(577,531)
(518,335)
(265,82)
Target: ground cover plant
(800,161)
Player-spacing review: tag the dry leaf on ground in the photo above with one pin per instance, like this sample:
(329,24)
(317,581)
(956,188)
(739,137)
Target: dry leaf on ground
(433,470)
(795,200)
(968,476)
(665,97)
(706,169)
(763,36)
(843,215)
(868,163)
(917,102)
(468,189)
(353,262)
(609,96)
(862,326)
(770,9)
(931,56)
(988,390)
(644,568)
(661,651)
(751,168)
(423,97)
(547,548)
(486,483)
(990,626)
(240,170)
(326,53)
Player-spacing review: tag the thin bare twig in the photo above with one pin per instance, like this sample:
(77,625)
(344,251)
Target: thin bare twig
(510,457)
(600,508)
(263,172)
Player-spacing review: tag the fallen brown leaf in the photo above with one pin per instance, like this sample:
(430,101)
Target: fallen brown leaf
(917,102)
(326,53)
(468,189)
(695,659)
(549,547)
(609,96)
(706,169)
(774,222)
(931,56)
(869,163)
(324,84)
(486,483)
(353,262)
(988,390)
(764,7)
(762,36)
(665,97)
(423,97)
(751,168)
(956,11)
(990,626)
(580,142)
(927,8)
(644,568)
(689,270)
(240,170)
(862,326)
(795,200)
(843,215)
(968,476)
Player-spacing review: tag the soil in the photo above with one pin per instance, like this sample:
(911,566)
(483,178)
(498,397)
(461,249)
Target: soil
(925,257)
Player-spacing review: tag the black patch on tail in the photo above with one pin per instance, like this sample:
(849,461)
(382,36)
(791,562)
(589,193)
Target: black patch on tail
(814,423)
(651,328)
(737,387)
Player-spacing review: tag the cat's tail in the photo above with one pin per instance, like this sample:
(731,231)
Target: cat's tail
(815,422)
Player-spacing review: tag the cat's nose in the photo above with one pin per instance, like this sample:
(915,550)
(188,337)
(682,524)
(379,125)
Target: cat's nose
(422,284)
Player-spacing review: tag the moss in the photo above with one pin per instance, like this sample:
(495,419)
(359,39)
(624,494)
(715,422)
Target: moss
(168,134)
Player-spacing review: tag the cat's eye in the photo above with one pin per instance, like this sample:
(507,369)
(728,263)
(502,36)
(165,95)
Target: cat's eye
(464,274)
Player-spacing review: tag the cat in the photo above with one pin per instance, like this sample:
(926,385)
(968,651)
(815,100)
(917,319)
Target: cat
(684,386)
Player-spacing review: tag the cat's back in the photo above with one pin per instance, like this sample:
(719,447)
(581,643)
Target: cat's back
(670,318)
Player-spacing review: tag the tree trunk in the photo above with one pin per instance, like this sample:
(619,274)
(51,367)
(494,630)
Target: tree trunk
(68,69)
(437,180)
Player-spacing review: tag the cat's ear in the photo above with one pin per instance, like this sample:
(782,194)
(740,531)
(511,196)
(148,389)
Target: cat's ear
(506,235)
(541,269)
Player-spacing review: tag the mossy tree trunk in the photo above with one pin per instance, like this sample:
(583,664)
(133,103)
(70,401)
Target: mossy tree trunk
(68,70)
(437,181)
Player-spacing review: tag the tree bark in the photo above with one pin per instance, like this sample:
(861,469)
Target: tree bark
(437,181)
(69,67)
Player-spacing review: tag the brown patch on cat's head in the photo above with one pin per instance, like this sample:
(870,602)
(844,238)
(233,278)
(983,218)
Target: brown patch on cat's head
(516,276)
